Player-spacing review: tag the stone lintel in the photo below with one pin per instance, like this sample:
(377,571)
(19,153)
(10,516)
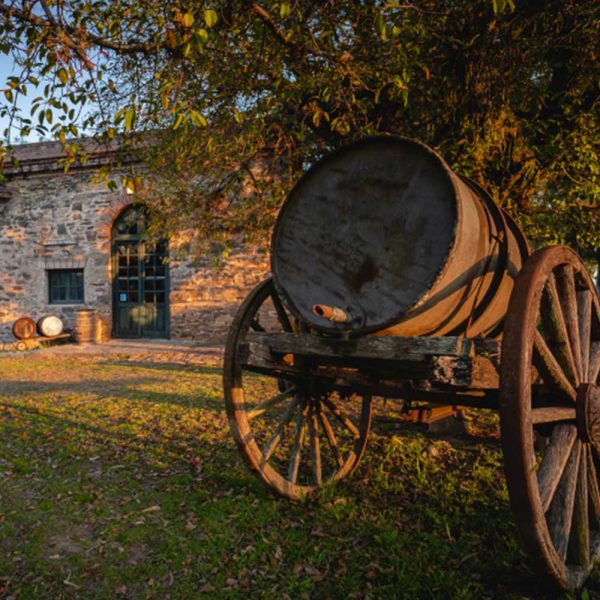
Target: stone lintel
(64,263)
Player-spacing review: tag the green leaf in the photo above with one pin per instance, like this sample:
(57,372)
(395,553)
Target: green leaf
(202,36)
(9,95)
(498,6)
(178,121)
(188,19)
(284,10)
(380,26)
(129,118)
(197,119)
(49,116)
(63,76)
(210,17)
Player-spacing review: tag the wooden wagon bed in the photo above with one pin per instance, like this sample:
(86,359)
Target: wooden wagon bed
(418,368)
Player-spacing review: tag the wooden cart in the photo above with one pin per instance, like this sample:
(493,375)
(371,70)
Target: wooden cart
(528,346)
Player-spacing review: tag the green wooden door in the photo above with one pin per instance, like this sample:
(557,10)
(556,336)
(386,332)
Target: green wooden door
(140,280)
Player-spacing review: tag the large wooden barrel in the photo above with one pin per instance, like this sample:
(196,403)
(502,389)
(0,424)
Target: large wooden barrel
(85,325)
(385,231)
(24,328)
(50,326)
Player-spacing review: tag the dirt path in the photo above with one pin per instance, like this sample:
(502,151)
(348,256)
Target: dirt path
(139,351)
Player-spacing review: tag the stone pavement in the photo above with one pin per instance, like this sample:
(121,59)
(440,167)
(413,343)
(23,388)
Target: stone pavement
(137,350)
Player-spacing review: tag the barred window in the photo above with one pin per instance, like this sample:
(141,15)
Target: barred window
(65,286)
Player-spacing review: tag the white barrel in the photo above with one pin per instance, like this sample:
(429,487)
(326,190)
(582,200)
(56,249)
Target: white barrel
(50,326)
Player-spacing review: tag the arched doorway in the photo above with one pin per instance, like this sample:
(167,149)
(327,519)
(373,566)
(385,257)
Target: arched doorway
(140,277)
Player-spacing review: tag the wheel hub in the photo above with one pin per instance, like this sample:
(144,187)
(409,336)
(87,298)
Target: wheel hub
(588,413)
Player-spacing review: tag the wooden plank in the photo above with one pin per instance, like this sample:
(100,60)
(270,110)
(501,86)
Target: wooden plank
(549,368)
(584,311)
(594,490)
(257,358)
(485,373)
(296,456)
(409,348)
(279,431)
(579,544)
(594,366)
(443,360)
(550,414)
(34,343)
(555,330)
(554,461)
(315,449)
(560,515)
(565,284)
(258,410)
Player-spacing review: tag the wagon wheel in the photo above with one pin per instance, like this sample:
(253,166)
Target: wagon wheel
(294,440)
(550,413)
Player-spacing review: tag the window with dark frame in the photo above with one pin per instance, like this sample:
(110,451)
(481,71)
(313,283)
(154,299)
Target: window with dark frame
(65,286)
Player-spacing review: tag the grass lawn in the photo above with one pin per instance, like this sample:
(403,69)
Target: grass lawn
(121,480)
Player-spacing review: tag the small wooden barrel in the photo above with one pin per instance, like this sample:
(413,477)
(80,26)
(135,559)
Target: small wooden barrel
(50,326)
(85,326)
(24,328)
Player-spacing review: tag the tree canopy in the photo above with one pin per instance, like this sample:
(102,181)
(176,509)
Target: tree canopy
(507,91)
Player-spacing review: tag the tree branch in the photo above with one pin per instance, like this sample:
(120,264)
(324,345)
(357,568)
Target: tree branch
(266,17)
(72,37)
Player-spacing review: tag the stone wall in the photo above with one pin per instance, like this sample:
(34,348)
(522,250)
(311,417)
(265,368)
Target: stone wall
(51,220)
(206,292)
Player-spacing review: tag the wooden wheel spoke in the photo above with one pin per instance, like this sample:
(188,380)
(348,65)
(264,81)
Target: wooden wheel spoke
(261,408)
(594,366)
(565,283)
(584,311)
(296,455)
(278,433)
(550,369)
(551,414)
(579,544)
(275,445)
(331,439)
(554,462)
(594,491)
(560,515)
(342,418)
(556,330)
(256,326)
(281,312)
(315,448)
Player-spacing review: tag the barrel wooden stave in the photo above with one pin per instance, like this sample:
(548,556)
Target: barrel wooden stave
(85,325)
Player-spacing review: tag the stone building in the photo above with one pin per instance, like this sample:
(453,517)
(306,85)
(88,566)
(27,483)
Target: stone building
(67,243)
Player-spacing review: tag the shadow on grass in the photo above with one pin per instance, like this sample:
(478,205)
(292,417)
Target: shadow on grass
(124,389)
(168,366)
(174,510)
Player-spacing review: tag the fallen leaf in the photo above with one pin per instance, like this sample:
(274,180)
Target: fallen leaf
(313,571)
